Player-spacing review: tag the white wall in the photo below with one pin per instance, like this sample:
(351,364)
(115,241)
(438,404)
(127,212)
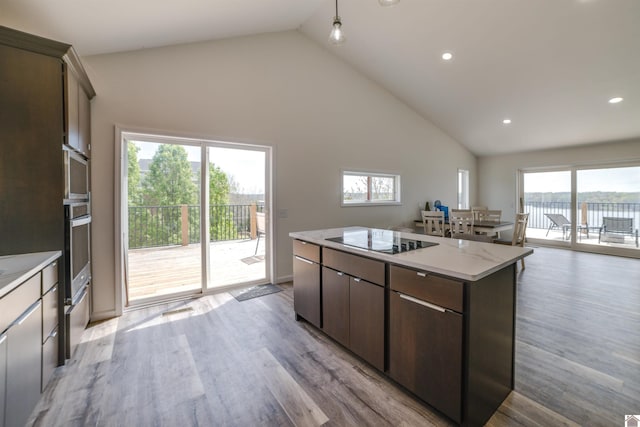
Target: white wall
(497,175)
(281,90)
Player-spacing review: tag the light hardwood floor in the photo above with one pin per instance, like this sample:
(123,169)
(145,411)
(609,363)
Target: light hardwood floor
(217,361)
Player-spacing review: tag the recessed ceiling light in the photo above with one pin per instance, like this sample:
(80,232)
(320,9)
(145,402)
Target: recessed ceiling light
(506,121)
(615,100)
(447,56)
(387,2)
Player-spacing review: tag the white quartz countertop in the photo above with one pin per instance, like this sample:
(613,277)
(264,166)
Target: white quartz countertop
(461,259)
(15,269)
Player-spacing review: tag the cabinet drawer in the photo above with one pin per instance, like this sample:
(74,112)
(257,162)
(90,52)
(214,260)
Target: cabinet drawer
(49,312)
(49,356)
(77,319)
(49,276)
(18,300)
(425,286)
(306,250)
(354,265)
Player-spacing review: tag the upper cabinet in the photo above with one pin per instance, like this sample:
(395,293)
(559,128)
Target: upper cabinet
(78,108)
(44,93)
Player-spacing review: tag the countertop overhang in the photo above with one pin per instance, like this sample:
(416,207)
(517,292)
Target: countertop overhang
(15,269)
(461,259)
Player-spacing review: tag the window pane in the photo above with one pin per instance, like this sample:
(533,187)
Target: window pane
(354,188)
(382,188)
(547,200)
(463,189)
(608,206)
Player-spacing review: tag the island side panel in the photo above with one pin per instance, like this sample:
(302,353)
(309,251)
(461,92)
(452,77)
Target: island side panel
(490,343)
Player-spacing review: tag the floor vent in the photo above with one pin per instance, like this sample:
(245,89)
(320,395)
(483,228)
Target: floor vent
(179,310)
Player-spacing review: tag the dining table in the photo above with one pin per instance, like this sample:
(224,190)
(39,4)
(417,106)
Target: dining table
(488,228)
(491,228)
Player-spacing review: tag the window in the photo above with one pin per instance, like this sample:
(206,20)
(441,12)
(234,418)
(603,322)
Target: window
(370,188)
(463,189)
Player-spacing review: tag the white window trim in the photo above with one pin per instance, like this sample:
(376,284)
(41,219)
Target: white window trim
(396,202)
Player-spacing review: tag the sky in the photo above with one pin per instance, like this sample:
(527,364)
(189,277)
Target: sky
(624,180)
(245,166)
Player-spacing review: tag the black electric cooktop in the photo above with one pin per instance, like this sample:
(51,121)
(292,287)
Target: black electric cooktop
(385,241)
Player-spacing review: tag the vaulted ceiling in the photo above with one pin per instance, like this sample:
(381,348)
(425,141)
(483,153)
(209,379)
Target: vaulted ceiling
(550,66)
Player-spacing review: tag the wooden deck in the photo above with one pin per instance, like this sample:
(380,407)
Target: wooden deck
(166,270)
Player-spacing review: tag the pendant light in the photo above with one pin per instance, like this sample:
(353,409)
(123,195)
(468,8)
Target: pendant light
(337,35)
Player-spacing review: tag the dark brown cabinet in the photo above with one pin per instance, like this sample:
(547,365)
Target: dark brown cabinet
(31,170)
(425,351)
(447,340)
(306,282)
(335,305)
(353,308)
(78,116)
(366,321)
(45,103)
(425,337)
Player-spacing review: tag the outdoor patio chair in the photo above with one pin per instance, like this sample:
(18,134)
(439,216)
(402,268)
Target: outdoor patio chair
(261,228)
(559,221)
(617,227)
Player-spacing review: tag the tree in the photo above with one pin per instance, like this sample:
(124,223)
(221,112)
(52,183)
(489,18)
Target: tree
(222,225)
(167,185)
(169,182)
(133,174)
(219,186)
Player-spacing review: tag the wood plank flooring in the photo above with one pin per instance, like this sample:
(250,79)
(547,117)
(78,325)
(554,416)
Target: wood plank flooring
(217,361)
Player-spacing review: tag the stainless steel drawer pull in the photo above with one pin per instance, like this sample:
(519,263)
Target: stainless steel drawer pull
(423,303)
(303,242)
(53,333)
(421,274)
(3,338)
(356,279)
(26,315)
(304,260)
(340,273)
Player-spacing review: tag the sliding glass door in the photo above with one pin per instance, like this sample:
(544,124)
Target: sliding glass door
(589,208)
(188,228)
(236,214)
(163,211)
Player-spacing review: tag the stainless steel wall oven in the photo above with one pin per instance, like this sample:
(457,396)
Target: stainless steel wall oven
(77,255)
(77,249)
(76,176)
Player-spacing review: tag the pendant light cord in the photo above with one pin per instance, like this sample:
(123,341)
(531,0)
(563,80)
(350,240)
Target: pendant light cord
(337,8)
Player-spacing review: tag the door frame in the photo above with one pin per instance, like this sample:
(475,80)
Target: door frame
(120,201)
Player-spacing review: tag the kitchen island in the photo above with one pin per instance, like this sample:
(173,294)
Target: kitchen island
(437,315)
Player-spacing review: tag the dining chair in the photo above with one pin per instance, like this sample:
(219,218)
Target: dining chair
(488,215)
(477,210)
(433,222)
(519,233)
(460,222)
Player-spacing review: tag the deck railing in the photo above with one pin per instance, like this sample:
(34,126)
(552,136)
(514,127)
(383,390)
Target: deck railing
(152,226)
(591,212)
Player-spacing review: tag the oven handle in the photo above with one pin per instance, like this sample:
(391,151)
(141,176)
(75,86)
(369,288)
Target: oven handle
(80,221)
